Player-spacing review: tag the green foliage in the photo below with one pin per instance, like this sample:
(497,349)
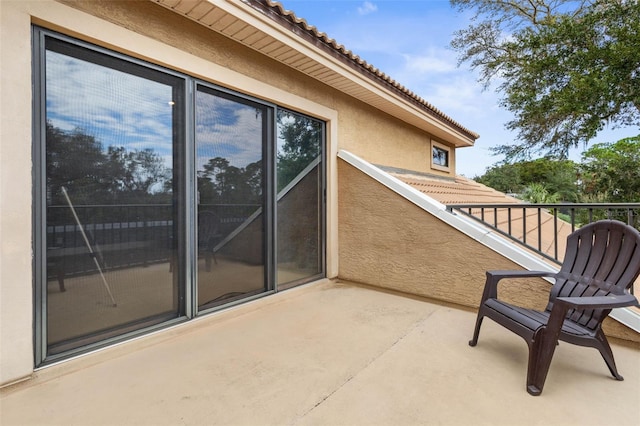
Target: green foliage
(539,194)
(566,68)
(557,177)
(612,171)
(608,173)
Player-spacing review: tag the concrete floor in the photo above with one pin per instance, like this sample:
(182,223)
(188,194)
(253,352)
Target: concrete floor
(327,354)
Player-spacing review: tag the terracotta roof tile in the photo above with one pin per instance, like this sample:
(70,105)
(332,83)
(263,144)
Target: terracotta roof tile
(466,191)
(456,191)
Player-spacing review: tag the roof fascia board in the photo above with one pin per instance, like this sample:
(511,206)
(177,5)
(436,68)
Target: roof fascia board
(471,228)
(412,113)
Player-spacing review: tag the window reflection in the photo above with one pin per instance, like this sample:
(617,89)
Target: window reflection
(440,157)
(299,181)
(230,137)
(110,198)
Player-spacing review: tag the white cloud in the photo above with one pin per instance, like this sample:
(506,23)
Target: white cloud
(433,61)
(227,129)
(116,108)
(367,8)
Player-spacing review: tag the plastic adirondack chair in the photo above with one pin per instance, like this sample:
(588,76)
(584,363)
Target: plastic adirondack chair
(601,262)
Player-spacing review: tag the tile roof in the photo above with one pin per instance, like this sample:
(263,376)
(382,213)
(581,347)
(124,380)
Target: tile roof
(459,190)
(540,230)
(276,11)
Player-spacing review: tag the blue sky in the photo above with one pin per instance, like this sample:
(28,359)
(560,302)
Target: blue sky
(408,40)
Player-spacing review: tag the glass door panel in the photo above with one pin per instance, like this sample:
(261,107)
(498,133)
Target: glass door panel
(300,198)
(231,135)
(114,203)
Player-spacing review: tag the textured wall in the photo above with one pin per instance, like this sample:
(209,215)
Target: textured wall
(387,241)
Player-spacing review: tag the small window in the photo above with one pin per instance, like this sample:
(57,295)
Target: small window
(439,156)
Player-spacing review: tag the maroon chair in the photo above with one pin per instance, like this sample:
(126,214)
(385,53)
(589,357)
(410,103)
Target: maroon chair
(601,262)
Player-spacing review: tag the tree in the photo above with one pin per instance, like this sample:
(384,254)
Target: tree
(557,177)
(504,178)
(137,173)
(611,171)
(77,161)
(539,194)
(565,68)
(220,182)
(302,144)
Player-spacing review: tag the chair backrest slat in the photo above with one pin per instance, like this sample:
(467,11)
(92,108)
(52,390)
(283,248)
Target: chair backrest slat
(601,258)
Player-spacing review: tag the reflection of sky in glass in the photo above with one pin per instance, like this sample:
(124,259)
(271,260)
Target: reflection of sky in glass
(227,129)
(284,118)
(117,108)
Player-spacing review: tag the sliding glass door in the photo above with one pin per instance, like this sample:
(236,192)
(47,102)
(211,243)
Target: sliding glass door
(113,196)
(159,197)
(231,136)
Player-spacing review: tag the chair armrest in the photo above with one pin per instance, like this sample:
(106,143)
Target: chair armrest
(561,306)
(500,274)
(598,302)
(494,276)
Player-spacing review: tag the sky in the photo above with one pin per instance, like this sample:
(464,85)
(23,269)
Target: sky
(409,41)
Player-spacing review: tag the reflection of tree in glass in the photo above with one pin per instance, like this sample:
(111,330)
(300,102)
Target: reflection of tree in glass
(440,157)
(77,161)
(302,138)
(137,171)
(219,182)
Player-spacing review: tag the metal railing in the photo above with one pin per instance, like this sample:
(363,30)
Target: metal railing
(520,221)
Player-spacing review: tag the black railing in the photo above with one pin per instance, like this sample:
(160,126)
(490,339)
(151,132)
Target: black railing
(545,223)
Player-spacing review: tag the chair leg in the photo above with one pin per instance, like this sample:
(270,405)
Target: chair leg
(607,354)
(541,351)
(476,332)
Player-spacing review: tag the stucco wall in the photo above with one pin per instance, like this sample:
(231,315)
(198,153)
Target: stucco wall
(16,297)
(389,242)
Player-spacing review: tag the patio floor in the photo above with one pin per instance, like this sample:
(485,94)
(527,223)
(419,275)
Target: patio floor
(327,354)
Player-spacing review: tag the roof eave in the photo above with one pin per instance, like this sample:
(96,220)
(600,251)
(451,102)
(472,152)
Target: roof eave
(323,59)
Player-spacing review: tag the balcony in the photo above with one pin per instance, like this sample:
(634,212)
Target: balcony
(327,353)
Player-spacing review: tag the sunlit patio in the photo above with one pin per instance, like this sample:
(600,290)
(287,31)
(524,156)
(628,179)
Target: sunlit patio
(327,353)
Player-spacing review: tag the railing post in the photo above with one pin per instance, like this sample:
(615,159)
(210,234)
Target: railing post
(555,233)
(539,229)
(524,225)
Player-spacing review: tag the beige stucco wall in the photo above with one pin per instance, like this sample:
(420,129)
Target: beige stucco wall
(16,319)
(389,242)
(380,139)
